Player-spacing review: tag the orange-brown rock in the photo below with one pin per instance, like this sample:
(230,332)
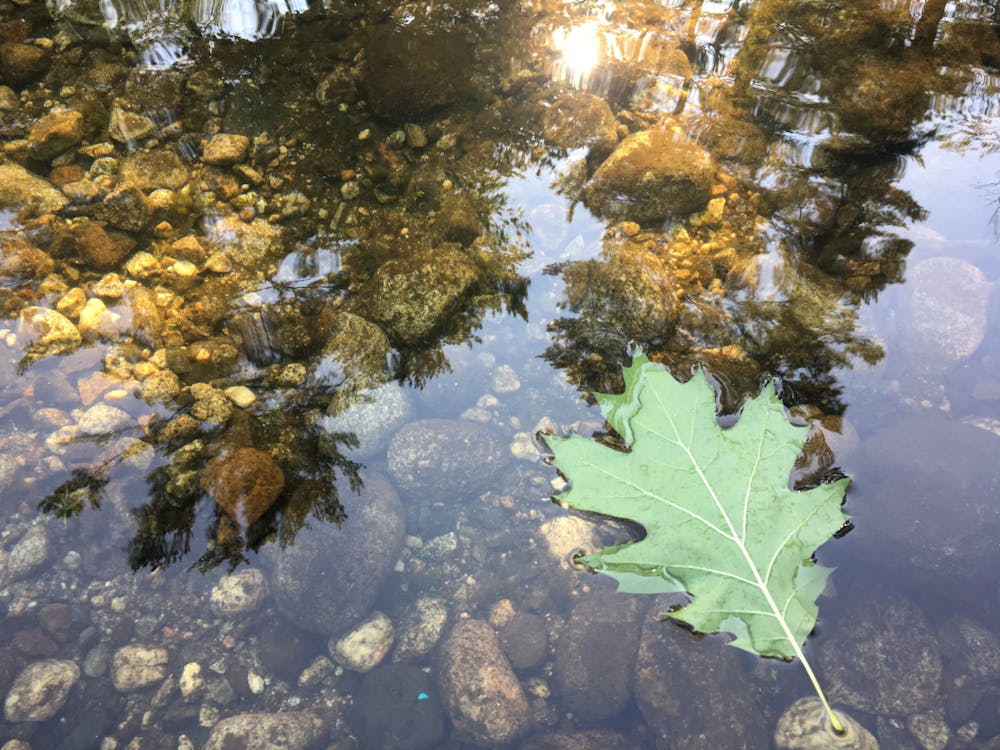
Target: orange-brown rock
(98,247)
(245,483)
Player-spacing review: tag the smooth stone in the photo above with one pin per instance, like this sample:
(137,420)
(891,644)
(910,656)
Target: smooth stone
(103,419)
(371,416)
(478,687)
(239,593)
(29,553)
(225,149)
(525,641)
(447,459)
(598,644)
(944,313)
(287,730)
(805,725)
(397,707)
(40,690)
(692,690)
(366,645)
(882,657)
(328,579)
(137,666)
(54,133)
(49,332)
(241,396)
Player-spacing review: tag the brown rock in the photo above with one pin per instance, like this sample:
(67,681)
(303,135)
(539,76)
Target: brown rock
(64,175)
(99,249)
(21,64)
(126,209)
(21,261)
(225,149)
(151,170)
(244,483)
(28,193)
(54,133)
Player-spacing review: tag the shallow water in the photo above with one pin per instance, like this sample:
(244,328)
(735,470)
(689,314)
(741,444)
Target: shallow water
(416,258)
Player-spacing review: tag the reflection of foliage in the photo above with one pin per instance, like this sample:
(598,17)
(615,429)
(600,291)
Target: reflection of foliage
(83,489)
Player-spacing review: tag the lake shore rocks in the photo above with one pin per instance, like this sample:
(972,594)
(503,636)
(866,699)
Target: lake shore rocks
(478,688)
(329,578)
(40,690)
(441,459)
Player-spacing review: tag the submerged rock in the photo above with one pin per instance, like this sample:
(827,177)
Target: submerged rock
(652,175)
(806,726)
(287,730)
(372,416)
(420,628)
(483,697)
(581,120)
(928,489)
(47,333)
(329,578)
(23,63)
(245,483)
(138,666)
(411,297)
(593,740)
(365,646)
(29,194)
(40,690)
(944,313)
(686,686)
(441,459)
(20,261)
(598,645)
(243,591)
(398,707)
(54,133)
(883,658)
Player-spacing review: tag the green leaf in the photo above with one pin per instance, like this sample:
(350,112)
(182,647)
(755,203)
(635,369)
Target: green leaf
(720,520)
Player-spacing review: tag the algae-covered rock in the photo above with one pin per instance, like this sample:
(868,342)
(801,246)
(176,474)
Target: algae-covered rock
(413,296)
(651,176)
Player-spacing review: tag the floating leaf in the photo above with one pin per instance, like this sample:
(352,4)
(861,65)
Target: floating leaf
(721,522)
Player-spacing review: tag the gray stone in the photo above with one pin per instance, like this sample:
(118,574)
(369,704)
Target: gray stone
(692,690)
(30,552)
(478,687)
(928,488)
(288,730)
(242,592)
(40,690)
(95,663)
(944,314)
(525,641)
(420,628)
(413,296)
(598,645)
(372,416)
(883,657)
(441,459)
(103,419)
(27,193)
(328,579)
(138,666)
(652,175)
(364,648)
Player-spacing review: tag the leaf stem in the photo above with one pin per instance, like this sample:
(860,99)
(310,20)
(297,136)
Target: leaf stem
(838,728)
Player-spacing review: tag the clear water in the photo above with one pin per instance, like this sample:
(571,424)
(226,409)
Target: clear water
(855,145)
